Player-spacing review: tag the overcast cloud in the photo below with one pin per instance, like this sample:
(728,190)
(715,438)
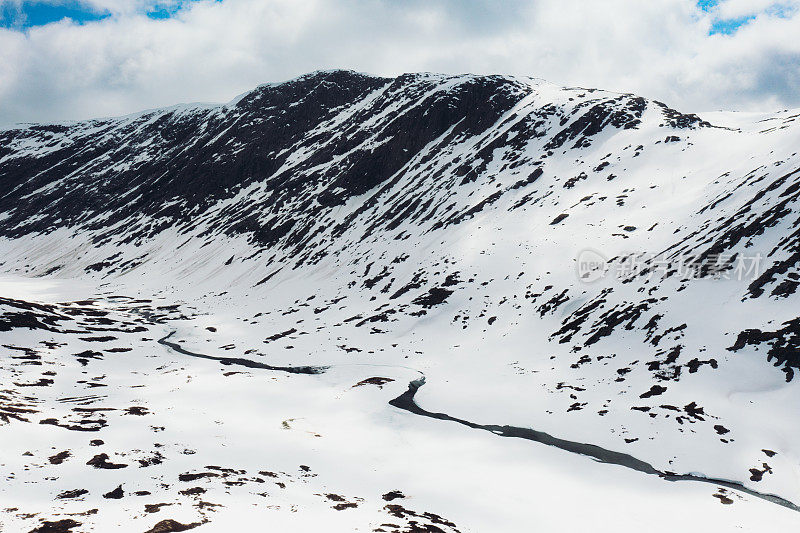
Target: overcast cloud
(211,51)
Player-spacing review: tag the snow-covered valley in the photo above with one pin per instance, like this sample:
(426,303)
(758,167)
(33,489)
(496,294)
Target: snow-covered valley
(212,315)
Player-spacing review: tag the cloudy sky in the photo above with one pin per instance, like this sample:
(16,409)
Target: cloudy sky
(74,59)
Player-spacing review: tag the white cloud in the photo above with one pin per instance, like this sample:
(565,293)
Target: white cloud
(733,9)
(212,51)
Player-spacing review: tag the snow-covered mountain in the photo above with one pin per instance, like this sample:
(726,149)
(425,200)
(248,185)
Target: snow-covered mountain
(596,275)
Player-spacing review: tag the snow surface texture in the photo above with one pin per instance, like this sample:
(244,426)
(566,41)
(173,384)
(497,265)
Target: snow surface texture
(207,311)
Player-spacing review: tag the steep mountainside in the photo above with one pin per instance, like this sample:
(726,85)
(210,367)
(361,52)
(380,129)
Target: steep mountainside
(591,265)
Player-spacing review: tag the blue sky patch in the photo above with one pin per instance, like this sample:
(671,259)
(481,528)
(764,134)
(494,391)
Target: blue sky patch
(29,14)
(167,10)
(707,5)
(39,13)
(730,26)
